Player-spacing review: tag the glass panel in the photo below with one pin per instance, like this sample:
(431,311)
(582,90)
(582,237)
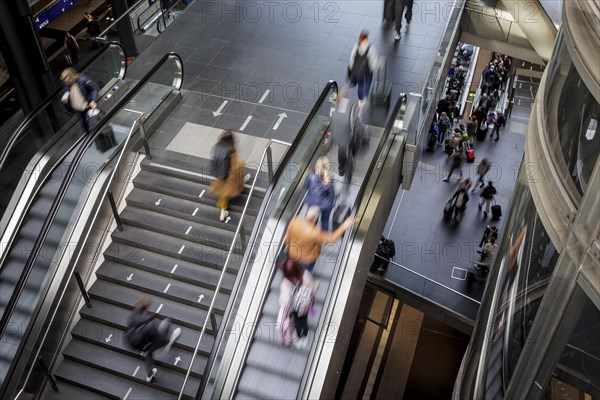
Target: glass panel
(44,129)
(577,373)
(572,115)
(526,261)
(88,170)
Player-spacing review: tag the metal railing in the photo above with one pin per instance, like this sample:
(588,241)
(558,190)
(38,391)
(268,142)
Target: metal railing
(266,154)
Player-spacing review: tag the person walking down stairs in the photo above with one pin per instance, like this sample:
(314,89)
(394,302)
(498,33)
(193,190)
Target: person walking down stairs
(229,172)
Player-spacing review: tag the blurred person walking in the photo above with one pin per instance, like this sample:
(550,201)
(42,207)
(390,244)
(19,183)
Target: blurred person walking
(363,61)
(458,160)
(80,93)
(487,195)
(229,172)
(320,189)
(402,8)
(71,46)
(144,334)
(482,169)
(340,128)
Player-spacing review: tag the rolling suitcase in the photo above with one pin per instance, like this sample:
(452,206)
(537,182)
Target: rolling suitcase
(496,212)
(481,134)
(105,139)
(470,155)
(381,90)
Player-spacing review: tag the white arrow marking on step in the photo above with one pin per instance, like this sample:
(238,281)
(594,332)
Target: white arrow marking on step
(281,117)
(130,277)
(201,194)
(188,230)
(195,211)
(127,394)
(245,124)
(264,96)
(136,371)
(227,219)
(158,202)
(218,112)
(174,268)
(181,249)
(109,338)
(200,298)
(143,258)
(167,288)
(177,360)
(159,308)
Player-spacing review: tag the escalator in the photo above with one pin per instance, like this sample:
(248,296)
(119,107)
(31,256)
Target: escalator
(47,226)
(247,362)
(34,144)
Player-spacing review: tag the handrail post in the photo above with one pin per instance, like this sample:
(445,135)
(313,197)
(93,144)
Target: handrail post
(84,292)
(144,140)
(270,162)
(113,206)
(46,372)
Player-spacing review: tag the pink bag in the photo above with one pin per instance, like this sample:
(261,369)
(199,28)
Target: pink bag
(285,326)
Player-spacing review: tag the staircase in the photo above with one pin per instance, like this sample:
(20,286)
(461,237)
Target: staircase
(172,249)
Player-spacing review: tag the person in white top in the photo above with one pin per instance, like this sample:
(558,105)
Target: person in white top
(363,61)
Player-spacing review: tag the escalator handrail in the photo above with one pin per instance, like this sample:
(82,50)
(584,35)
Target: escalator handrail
(226,263)
(255,231)
(88,140)
(347,239)
(16,135)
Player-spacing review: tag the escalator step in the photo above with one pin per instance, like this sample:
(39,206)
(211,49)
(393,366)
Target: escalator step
(124,366)
(179,228)
(71,392)
(158,285)
(174,247)
(269,356)
(106,383)
(180,314)
(266,385)
(176,187)
(108,340)
(186,209)
(114,319)
(161,264)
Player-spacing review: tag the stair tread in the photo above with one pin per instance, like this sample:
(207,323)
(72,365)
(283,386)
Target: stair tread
(179,228)
(175,247)
(171,185)
(70,391)
(115,317)
(106,383)
(180,314)
(181,292)
(187,209)
(128,367)
(267,385)
(160,263)
(110,339)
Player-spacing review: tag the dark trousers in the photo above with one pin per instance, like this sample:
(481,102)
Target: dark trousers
(403,7)
(364,86)
(342,159)
(454,167)
(325,214)
(159,340)
(301,325)
(83,119)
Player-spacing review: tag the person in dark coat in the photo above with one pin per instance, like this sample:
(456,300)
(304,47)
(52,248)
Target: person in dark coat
(320,190)
(487,195)
(363,62)
(340,129)
(79,94)
(232,184)
(71,46)
(402,8)
(144,334)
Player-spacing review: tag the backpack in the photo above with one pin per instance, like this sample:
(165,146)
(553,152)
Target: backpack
(360,135)
(302,300)
(221,161)
(138,335)
(360,67)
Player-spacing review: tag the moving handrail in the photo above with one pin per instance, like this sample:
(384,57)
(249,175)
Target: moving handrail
(235,292)
(68,177)
(266,153)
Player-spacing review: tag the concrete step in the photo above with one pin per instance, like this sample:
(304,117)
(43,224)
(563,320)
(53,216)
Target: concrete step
(71,392)
(177,248)
(160,264)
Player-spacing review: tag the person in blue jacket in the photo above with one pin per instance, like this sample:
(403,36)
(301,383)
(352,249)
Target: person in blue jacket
(320,190)
(79,94)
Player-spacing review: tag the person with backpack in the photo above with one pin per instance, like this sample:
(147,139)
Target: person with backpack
(460,198)
(363,61)
(499,122)
(487,195)
(144,334)
(320,191)
(482,169)
(444,125)
(229,172)
(386,250)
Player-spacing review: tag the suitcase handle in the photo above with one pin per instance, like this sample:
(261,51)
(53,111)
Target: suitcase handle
(381,62)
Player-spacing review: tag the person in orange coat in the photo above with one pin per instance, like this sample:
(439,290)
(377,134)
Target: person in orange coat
(231,183)
(304,238)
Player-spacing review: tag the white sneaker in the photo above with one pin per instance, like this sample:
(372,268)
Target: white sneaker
(176,333)
(301,343)
(150,377)
(398,36)
(224,214)
(247,178)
